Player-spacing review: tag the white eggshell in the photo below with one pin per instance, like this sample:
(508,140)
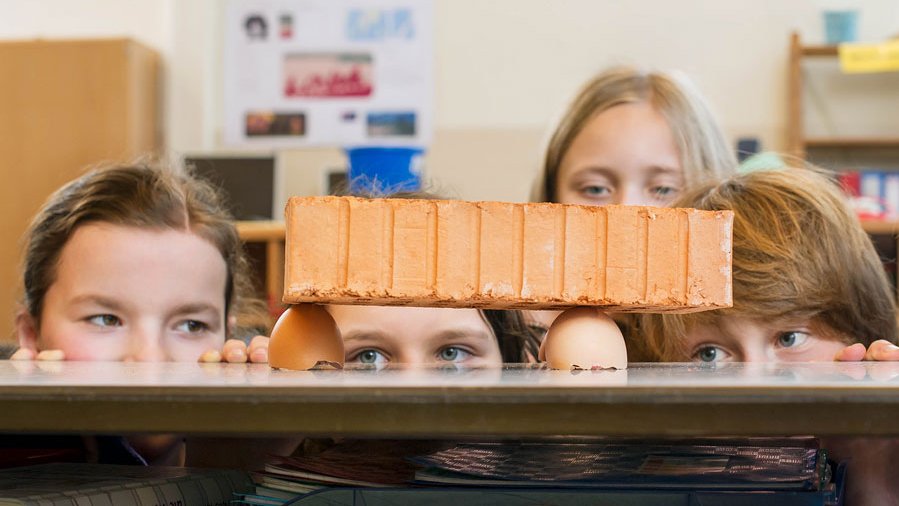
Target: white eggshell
(584,338)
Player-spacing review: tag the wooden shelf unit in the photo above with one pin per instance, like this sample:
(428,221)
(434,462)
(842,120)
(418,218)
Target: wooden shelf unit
(817,50)
(852,142)
(881,226)
(798,143)
(270,233)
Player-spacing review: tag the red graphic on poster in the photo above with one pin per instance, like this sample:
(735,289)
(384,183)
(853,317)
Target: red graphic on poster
(328,75)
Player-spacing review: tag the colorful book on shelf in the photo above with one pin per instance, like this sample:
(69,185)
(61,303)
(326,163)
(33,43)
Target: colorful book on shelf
(873,193)
(76,484)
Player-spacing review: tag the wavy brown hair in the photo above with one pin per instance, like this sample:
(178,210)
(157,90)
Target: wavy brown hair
(147,195)
(799,252)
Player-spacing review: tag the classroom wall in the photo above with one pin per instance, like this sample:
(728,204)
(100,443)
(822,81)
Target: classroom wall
(504,69)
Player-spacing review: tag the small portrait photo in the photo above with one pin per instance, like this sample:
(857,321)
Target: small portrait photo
(390,124)
(328,75)
(285,26)
(275,124)
(256,27)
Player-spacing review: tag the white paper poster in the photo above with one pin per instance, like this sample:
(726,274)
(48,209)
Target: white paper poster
(328,73)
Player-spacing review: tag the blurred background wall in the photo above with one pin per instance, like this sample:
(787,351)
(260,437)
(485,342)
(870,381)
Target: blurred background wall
(504,70)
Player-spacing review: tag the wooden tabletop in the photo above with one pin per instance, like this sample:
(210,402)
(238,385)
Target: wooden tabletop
(646,399)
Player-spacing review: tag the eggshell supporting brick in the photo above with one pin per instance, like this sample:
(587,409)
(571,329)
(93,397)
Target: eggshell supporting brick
(303,336)
(584,338)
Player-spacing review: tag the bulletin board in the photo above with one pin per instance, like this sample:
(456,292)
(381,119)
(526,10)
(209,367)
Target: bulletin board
(328,73)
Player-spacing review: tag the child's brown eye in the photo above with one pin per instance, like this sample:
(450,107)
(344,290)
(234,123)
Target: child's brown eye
(105,320)
(195,326)
(192,326)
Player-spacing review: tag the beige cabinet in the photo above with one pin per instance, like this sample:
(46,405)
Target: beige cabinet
(65,105)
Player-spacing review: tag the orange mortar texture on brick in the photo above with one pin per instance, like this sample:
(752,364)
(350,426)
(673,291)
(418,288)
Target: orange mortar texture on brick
(451,253)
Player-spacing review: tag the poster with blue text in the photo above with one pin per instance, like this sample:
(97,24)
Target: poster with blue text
(328,73)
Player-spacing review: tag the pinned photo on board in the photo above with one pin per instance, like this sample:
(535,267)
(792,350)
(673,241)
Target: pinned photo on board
(285,26)
(256,27)
(275,124)
(390,124)
(325,75)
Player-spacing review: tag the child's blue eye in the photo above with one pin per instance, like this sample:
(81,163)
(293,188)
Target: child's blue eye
(664,191)
(449,354)
(596,191)
(105,320)
(452,354)
(370,357)
(707,354)
(791,339)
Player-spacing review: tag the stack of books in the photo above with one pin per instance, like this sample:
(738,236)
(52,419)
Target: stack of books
(351,463)
(75,484)
(873,193)
(709,471)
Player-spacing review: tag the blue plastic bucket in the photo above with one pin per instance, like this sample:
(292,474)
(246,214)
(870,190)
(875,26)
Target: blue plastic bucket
(383,170)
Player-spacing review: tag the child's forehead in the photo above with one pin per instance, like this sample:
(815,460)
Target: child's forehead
(100,230)
(110,246)
(739,323)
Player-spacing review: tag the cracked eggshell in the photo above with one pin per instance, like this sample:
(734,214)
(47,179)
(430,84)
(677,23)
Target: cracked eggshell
(303,336)
(584,338)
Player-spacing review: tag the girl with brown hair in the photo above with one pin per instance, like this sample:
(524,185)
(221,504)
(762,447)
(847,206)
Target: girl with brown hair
(633,137)
(134,262)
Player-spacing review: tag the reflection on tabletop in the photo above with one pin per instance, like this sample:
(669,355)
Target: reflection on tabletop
(736,375)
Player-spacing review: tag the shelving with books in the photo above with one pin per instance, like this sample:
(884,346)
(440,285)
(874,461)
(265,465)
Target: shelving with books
(847,123)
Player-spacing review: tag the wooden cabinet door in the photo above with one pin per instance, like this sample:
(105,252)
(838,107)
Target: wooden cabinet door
(65,105)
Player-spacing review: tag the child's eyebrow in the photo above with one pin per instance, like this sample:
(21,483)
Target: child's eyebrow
(719,335)
(199,307)
(597,170)
(99,300)
(361,335)
(727,337)
(665,170)
(462,333)
(790,323)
